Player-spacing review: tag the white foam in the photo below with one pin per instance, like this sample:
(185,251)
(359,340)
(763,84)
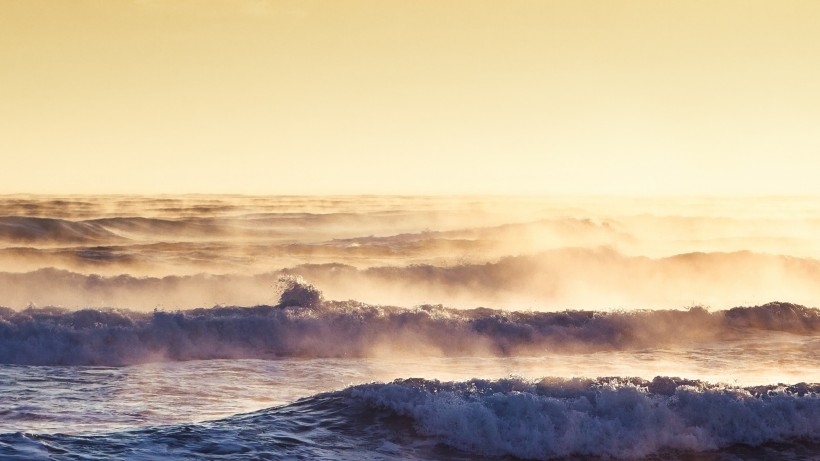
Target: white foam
(606,418)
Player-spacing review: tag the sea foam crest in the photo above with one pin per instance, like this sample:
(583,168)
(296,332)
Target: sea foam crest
(613,417)
(414,419)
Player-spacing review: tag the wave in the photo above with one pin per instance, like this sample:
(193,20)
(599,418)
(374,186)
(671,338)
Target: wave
(39,231)
(304,325)
(583,277)
(579,277)
(52,287)
(624,418)
(259,221)
(610,418)
(598,278)
(51,230)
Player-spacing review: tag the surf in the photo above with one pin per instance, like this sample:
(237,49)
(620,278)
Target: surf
(550,418)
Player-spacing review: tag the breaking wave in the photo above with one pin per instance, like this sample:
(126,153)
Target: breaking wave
(54,336)
(610,418)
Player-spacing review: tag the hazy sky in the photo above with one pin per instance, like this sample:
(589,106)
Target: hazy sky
(264,96)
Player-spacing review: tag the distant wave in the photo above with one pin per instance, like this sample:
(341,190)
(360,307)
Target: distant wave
(50,231)
(565,278)
(609,418)
(53,336)
(64,288)
(588,277)
(345,226)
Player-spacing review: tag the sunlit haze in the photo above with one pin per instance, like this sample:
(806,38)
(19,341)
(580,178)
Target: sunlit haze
(410,230)
(544,97)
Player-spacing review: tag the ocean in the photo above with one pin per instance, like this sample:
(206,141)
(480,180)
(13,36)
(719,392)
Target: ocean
(407,327)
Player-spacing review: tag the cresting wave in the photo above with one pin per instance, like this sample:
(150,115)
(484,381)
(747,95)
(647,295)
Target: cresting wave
(610,418)
(305,325)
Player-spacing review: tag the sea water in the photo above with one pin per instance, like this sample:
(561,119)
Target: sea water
(227,327)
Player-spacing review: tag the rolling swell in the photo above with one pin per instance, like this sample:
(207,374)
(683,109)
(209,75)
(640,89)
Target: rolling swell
(50,230)
(610,418)
(54,336)
(577,277)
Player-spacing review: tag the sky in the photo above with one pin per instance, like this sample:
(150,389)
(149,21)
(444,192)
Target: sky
(636,97)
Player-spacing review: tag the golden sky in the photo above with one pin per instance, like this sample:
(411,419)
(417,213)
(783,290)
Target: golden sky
(264,96)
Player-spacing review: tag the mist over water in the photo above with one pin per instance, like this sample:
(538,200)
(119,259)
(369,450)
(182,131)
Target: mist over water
(141,253)
(444,328)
